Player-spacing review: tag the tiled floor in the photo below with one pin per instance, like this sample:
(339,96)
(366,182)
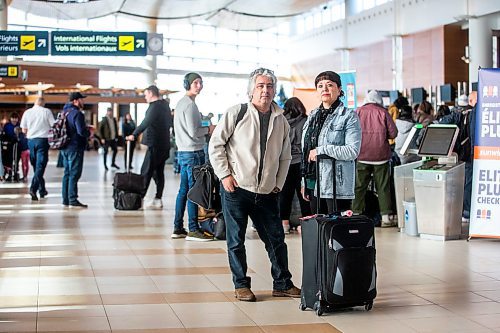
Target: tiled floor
(101,270)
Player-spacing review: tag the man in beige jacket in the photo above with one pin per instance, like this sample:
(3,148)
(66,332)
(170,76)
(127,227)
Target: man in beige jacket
(250,153)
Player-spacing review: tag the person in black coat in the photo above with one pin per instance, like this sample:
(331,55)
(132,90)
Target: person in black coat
(128,128)
(156,127)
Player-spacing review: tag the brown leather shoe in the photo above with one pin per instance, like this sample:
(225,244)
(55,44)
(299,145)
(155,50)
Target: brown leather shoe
(244,294)
(292,292)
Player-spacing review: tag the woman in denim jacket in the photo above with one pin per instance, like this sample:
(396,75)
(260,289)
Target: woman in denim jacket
(331,130)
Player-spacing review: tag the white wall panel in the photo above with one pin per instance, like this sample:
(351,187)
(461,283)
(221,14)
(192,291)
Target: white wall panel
(377,24)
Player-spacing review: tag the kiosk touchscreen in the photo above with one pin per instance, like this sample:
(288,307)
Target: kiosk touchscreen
(438,140)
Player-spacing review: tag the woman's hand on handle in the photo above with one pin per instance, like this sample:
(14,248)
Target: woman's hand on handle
(304,195)
(312,155)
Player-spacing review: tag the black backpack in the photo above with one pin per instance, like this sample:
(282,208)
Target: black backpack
(58,133)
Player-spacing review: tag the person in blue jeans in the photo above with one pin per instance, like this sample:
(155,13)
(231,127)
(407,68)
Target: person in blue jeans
(72,153)
(36,123)
(251,159)
(190,137)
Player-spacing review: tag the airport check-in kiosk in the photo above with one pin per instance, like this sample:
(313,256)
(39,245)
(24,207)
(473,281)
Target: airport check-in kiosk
(403,174)
(438,183)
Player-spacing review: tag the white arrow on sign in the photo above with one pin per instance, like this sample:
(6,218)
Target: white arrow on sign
(140,43)
(42,42)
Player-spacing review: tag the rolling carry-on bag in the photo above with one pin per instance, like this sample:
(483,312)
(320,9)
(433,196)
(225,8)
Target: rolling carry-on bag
(338,250)
(128,188)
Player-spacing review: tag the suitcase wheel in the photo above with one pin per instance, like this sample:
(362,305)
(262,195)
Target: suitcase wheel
(302,307)
(369,306)
(318,308)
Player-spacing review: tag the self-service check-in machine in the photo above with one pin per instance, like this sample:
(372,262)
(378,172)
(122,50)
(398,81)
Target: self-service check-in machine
(438,182)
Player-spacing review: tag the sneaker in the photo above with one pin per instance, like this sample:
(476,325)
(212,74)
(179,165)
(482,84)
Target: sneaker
(179,233)
(43,194)
(115,166)
(245,295)
(78,204)
(199,236)
(286,228)
(386,222)
(292,292)
(155,204)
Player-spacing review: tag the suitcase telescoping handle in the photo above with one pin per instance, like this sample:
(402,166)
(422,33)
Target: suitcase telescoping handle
(318,193)
(127,160)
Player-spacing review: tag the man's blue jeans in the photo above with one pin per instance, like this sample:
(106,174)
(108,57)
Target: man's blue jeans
(263,209)
(187,160)
(39,156)
(73,165)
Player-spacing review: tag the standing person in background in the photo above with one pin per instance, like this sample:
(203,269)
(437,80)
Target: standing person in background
(467,154)
(333,130)
(11,138)
(128,127)
(464,116)
(377,126)
(72,153)
(394,111)
(156,127)
(295,114)
(108,133)
(36,123)
(404,124)
(443,111)
(251,159)
(424,114)
(24,152)
(190,137)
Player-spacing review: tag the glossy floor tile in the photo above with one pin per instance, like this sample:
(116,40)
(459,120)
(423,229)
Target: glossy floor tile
(101,270)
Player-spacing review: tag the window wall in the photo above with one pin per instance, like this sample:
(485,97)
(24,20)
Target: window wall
(187,47)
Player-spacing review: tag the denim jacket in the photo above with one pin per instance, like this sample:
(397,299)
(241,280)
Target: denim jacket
(340,138)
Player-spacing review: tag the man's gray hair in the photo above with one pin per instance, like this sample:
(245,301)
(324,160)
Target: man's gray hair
(253,78)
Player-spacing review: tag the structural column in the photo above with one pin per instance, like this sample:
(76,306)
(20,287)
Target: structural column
(3,14)
(397,49)
(480,46)
(3,21)
(151,60)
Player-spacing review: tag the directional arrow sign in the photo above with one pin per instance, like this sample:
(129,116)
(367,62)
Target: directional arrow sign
(140,43)
(98,43)
(23,42)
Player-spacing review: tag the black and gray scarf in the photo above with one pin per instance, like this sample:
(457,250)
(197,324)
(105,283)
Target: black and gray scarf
(308,168)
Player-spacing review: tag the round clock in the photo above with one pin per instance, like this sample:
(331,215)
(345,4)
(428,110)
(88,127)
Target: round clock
(155,43)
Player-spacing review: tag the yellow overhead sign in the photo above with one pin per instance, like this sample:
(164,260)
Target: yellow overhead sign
(126,43)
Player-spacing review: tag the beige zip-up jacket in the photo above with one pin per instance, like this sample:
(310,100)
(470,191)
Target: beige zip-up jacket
(236,151)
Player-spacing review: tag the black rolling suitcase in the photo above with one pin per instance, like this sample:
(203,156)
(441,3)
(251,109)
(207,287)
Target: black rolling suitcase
(339,268)
(128,188)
